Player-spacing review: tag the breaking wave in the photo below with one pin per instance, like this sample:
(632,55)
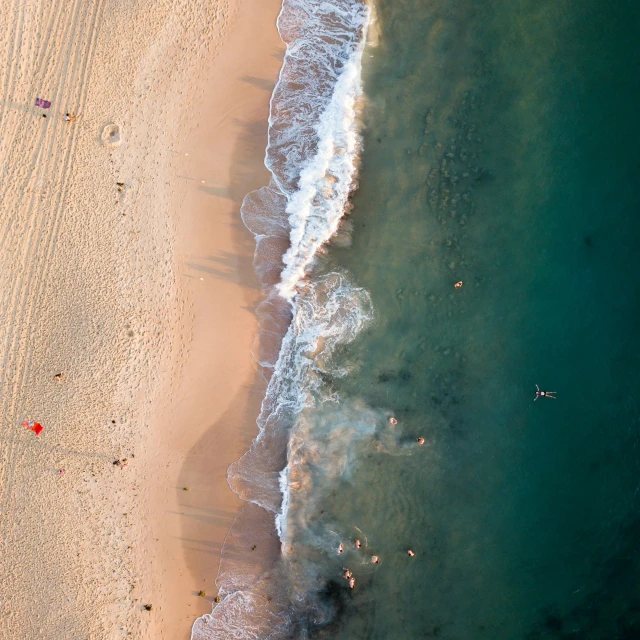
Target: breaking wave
(312,155)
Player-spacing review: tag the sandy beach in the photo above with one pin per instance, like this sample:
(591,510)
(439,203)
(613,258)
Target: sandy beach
(127,319)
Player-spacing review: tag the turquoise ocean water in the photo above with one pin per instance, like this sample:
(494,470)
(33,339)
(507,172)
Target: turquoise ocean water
(499,147)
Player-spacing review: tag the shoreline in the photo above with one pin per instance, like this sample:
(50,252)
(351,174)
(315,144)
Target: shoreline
(313,152)
(208,418)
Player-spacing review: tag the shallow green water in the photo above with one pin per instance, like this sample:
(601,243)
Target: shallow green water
(501,149)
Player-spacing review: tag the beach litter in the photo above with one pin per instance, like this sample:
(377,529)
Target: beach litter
(36,427)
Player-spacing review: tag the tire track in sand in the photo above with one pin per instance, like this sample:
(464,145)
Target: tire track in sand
(18,134)
(22,237)
(38,249)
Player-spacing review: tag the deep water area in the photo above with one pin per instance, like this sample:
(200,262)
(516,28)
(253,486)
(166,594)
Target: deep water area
(502,150)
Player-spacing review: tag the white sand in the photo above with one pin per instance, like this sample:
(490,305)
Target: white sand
(141,296)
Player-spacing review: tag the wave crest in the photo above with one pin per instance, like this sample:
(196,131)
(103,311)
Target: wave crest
(312,154)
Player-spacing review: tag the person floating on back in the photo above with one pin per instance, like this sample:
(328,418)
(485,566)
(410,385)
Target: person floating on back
(544,394)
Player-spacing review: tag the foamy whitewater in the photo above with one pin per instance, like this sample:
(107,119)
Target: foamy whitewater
(312,155)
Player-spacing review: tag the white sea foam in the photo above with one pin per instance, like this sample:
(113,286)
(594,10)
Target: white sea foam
(327,179)
(313,140)
(312,154)
(328,313)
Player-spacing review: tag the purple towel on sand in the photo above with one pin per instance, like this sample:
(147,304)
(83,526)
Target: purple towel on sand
(45,104)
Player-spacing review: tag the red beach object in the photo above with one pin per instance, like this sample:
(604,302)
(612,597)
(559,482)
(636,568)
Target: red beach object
(36,427)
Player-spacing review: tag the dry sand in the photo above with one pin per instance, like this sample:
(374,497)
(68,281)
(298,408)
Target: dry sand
(142,293)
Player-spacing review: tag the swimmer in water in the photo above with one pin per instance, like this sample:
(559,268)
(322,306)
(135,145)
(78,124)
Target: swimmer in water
(544,394)
(347,574)
(420,440)
(340,548)
(375,560)
(392,420)
(358,544)
(352,583)
(409,552)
